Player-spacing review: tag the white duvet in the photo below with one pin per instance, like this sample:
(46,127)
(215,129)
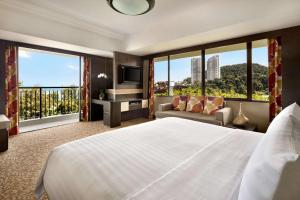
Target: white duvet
(167,159)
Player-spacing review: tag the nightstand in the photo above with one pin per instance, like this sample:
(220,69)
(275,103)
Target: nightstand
(247,127)
(4,123)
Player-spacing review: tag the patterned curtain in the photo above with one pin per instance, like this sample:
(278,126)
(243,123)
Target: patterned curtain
(11,89)
(86,88)
(275,77)
(151,90)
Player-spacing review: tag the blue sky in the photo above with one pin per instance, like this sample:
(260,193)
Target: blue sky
(40,68)
(181,68)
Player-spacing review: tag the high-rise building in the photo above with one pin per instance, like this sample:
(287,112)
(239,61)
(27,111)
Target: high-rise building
(213,68)
(196,70)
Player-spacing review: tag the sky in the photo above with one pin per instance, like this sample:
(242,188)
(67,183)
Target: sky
(181,68)
(41,68)
(47,69)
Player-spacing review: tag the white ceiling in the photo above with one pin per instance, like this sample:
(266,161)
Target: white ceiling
(91,26)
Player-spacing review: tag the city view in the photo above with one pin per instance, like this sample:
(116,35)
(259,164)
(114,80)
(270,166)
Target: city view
(225,74)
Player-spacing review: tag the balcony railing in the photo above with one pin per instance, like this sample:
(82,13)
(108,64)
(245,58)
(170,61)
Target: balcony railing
(40,102)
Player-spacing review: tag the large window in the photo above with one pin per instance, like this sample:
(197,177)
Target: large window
(260,70)
(237,71)
(186,74)
(161,76)
(48,84)
(226,71)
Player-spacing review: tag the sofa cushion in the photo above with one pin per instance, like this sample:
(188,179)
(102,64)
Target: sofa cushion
(212,104)
(179,103)
(188,115)
(195,104)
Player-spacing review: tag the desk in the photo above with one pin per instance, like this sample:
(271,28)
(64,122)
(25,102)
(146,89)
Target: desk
(4,123)
(111,112)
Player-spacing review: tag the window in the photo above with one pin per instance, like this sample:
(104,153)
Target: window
(161,76)
(186,74)
(260,70)
(48,84)
(226,71)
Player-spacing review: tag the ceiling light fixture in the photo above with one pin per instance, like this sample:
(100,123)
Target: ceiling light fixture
(131,7)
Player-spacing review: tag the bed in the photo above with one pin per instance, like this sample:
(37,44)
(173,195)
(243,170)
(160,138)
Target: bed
(170,158)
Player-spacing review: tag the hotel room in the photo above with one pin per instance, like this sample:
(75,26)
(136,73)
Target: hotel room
(150,99)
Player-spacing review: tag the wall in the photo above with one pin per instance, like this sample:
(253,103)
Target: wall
(101,65)
(125,91)
(2,77)
(291,67)
(257,112)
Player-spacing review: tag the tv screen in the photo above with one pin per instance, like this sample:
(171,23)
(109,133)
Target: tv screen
(131,74)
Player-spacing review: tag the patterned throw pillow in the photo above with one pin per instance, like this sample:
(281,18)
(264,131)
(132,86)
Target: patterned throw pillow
(212,104)
(195,104)
(179,103)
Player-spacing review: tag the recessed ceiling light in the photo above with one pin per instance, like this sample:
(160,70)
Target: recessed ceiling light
(131,7)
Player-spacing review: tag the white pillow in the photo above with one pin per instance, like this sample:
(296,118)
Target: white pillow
(273,170)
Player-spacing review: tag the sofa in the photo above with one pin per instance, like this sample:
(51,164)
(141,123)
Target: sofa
(221,117)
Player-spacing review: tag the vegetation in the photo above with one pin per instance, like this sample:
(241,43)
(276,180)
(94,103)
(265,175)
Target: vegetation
(49,102)
(233,84)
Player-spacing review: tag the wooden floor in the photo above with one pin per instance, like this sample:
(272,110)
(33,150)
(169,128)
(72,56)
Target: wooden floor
(21,164)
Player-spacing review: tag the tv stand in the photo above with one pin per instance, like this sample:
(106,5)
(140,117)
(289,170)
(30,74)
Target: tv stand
(114,111)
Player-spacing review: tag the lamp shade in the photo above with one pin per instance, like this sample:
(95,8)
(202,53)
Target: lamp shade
(131,7)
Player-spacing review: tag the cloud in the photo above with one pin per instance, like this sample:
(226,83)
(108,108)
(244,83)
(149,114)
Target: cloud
(24,54)
(72,67)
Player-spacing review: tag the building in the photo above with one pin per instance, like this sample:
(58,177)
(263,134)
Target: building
(196,71)
(213,68)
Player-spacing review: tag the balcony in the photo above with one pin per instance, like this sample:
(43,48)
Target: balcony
(40,107)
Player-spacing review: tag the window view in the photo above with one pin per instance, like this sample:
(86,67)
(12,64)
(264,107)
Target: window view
(161,76)
(226,71)
(186,74)
(48,84)
(260,70)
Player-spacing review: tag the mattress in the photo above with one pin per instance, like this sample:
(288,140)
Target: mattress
(169,158)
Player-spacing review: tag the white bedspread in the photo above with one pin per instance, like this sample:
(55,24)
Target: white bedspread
(170,158)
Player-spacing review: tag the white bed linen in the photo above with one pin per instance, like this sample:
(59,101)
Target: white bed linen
(170,158)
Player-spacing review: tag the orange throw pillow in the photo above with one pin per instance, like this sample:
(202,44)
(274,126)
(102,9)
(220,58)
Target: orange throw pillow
(212,104)
(179,103)
(195,104)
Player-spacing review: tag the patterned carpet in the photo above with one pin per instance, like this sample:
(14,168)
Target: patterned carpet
(20,166)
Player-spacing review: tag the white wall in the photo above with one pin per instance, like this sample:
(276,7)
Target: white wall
(257,112)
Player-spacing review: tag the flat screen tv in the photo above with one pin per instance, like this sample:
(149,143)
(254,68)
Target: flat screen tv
(130,74)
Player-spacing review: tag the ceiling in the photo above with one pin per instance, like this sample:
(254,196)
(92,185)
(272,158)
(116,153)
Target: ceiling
(91,26)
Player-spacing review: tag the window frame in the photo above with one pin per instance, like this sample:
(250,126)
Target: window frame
(249,72)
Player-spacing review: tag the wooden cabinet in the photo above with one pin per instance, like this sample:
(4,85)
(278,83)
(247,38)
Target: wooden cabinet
(113,112)
(4,123)
(145,103)
(124,106)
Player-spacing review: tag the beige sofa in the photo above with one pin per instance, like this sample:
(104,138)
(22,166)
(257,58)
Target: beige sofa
(222,117)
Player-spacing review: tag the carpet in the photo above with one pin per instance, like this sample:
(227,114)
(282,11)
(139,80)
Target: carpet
(21,164)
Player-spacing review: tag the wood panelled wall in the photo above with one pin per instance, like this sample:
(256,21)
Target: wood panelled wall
(101,65)
(130,60)
(291,67)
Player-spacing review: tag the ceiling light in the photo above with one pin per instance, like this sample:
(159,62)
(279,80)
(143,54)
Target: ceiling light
(131,7)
